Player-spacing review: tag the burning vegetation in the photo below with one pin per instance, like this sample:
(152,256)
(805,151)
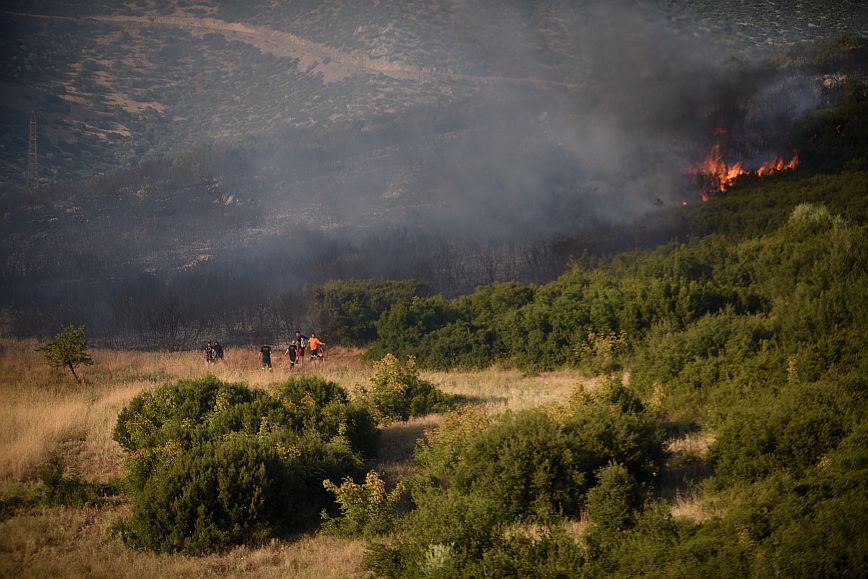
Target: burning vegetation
(716,175)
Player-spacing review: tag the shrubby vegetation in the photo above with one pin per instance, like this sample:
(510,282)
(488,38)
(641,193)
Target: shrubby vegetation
(212,464)
(397,392)
(481,483)
(348,310)
(366,510)
(752,331)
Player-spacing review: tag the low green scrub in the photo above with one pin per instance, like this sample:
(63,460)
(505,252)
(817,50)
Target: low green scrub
(348,310)
(397,392)
(211,465)
(366,510)
(481,481)
(69,490)
(752,330)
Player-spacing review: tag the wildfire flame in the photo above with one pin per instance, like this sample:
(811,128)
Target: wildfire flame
(716,175)
(778,165)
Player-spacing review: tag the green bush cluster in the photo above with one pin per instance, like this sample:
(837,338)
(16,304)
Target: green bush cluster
(213,464)
(397,392)
(752,331)
(348,310)
(366,510)
(480,482)
(591,318)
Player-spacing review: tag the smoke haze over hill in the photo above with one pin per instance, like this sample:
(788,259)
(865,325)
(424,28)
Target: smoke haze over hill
(337,139)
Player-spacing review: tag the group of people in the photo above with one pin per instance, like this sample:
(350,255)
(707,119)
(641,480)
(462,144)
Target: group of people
(295,351)
(213,352)
(312,346)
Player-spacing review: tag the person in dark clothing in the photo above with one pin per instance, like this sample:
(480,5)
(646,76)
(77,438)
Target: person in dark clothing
(218,351)
(265,357)
(210,355)
(292,352)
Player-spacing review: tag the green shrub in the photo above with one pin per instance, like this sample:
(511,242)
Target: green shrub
(613,506)
(614,502)
(480,481)
(348,310)
(59,489)
(790,432)
(189,412)
(325,408)
(402,328)
(209,498)
(535,464)
(397,392)
(527,464)
(212,465)
(366,510)
(168,413)
(600,353)
(556,554)
(612,424)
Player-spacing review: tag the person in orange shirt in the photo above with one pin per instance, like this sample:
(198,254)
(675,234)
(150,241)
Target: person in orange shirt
(316,347)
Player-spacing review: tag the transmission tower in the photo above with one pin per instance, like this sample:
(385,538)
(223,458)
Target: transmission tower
(32,159)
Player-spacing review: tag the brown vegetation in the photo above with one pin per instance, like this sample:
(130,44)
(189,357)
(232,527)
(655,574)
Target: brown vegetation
(46,412)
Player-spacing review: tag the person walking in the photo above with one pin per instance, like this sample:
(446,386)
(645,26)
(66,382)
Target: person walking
(292,353)
(317,347)
(265,357)
(210,355)
(301,345)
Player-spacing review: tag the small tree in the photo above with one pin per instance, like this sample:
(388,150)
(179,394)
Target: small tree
(68,348)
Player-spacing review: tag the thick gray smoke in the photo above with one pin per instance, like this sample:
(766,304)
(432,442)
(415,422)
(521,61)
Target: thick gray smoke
(560,116)
(448,141)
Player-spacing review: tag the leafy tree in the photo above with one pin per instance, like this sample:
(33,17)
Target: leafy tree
(68,349)
(349,310)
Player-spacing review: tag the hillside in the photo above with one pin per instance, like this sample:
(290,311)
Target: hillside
(116,83)
(203,145)
(696,409)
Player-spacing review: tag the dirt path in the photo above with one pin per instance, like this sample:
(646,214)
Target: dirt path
(334,64)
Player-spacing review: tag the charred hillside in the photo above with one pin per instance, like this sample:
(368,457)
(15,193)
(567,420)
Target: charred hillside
(217,145)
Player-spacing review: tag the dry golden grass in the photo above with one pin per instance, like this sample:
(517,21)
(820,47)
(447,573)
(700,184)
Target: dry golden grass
(687,467)
(74,542)
(46,412)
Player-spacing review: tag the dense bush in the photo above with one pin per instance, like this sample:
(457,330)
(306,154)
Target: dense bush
(366,510)
(613,506)
(348,310)
(190,412)
(480,481)
(212,464)
(752,331)
(403,328)
(791,433)
(397,392)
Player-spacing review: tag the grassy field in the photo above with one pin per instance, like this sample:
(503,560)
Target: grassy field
(45,412)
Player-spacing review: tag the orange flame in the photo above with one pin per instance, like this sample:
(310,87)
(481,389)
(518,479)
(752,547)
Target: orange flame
(778,165)
(716,175)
